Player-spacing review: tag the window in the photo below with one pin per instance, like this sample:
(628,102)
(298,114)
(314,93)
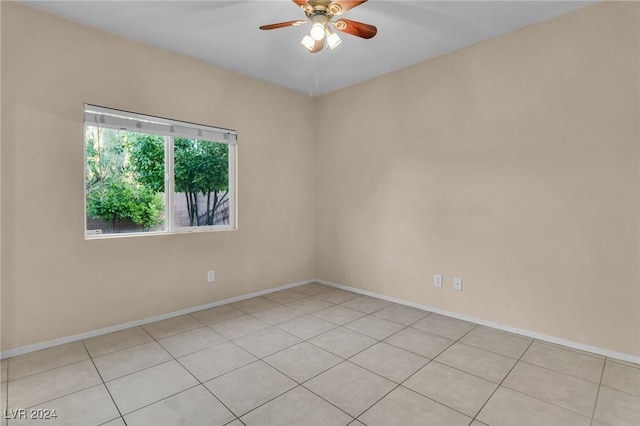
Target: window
(150,175)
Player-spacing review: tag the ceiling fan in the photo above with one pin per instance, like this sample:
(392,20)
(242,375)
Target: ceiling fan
(320,13)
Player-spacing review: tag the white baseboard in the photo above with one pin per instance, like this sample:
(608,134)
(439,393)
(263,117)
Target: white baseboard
(81,336)
(523,332)
(532,334)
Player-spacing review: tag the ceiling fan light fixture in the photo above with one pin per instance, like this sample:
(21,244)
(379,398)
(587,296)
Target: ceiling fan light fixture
(308,42)
(317,31)
(332,39)
(319,14)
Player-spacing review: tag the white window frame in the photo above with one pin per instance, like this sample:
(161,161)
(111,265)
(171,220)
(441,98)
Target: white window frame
(102,117)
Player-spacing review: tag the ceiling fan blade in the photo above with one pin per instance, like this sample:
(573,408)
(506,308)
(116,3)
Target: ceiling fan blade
(318,46)
(355,28)
(338,7)
(281,25)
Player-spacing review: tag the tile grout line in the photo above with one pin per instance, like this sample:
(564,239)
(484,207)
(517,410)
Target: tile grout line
(574,350)
(348,360)
(415,372)
(238,419)
(298,384)
(553,403)
(621,391)
(162,363)
(104,383)
(460,370)
(138,371)
(70,393)
(200,383)
(329,402)
(595,404)
(50,369)
(623,363)
(258,359)
(494,352)
(364,349)
(64,396)
(502,381)
(179,332)
(197,351)
(546,402)
(515,390)
(121,349)
(209,326)
(121,418)
(270,399)
(319,334)
(303,314)
(518,361)
(251,314)
(453,342)
(228,372)
(161,399)
(192,375)
(301,384)
(559,372)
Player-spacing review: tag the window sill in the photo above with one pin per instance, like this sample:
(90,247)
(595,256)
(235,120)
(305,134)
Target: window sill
(194,230)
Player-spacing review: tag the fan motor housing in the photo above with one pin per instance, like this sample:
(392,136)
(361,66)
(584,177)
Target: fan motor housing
(315,7)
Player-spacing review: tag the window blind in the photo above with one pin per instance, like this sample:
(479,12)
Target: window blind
(132,122)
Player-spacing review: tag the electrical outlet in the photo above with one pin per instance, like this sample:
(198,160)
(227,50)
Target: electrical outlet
(457,283)
(437,280)
(211,276)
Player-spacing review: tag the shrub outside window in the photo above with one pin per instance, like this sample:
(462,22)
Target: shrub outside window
(150,175)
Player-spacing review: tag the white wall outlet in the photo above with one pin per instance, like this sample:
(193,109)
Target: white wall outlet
(457,283)
(211,276)
(437,280)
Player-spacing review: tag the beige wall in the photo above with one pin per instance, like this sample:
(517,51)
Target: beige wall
(512,163)
(54,283)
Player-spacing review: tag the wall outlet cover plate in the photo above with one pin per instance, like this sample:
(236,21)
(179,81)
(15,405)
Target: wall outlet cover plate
(437,280)
(457,283)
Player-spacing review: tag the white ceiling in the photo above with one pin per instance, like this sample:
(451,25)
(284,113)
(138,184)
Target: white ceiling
(226,33)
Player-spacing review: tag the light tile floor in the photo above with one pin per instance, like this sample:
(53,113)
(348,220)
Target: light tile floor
(315,355)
